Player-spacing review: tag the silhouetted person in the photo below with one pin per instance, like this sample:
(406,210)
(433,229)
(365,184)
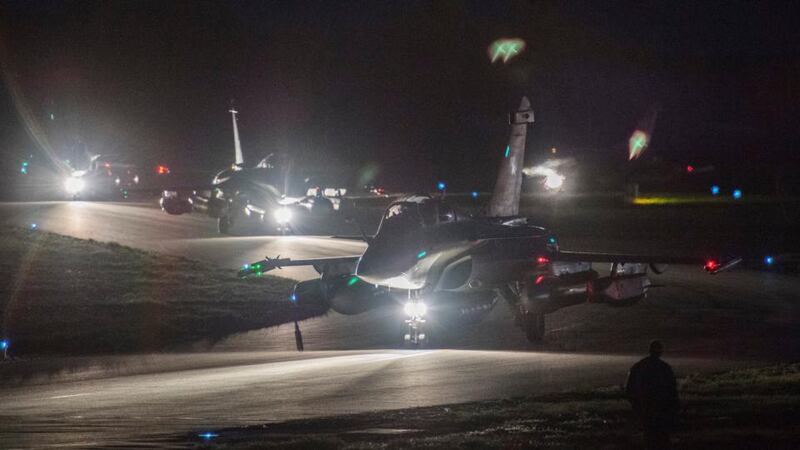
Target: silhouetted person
(652,392)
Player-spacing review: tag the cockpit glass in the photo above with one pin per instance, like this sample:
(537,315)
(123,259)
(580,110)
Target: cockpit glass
(446,213)
(396,210)
(414,215)
(428,212)
(401,216)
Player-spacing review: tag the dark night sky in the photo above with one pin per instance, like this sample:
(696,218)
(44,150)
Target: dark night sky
(404,85)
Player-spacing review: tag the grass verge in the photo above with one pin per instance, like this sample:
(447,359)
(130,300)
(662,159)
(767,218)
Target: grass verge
(744,409)
(64,295)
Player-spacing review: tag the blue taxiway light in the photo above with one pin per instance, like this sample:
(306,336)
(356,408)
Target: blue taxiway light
(474,194)
(4,344)
(769,260)
(440,185)
(34,226)
(421,254)
(737,194)
(293,298)
(714,190)
(207,435)
(551,240)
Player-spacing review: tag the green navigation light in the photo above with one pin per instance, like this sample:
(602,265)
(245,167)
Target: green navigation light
(505,49)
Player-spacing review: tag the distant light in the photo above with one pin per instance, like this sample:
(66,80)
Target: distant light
(554,181)
(542,260)
(689,168)
(637,144)
(353,280)
(162,170)
(539,279)
(52,116)
(715,190)
(505,49)
(293,298)
(737,193)
(246,266)
(551,240)
(421,254)
(4,344)
(769,260)
(711,265)
(24,169)
(507,152)
(34,226)
(208,435)
(441,186)
(553,150)
(474,194)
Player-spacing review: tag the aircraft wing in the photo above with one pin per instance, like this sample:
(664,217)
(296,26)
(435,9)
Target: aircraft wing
(710,265)
(320,264)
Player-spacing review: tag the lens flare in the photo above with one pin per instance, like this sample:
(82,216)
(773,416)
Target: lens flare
(637,144)
(505,49)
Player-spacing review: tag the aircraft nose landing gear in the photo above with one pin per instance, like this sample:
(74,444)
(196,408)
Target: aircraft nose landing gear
(415,336)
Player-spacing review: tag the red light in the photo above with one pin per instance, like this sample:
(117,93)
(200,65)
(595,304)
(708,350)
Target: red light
(161,170)
(711,265)
(539,279)
(542,260)
(690,169)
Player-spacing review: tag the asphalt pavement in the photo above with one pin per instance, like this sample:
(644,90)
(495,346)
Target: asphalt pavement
(255,378)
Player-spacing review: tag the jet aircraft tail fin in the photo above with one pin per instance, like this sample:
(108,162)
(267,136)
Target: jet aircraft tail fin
(505,199)
(236,144)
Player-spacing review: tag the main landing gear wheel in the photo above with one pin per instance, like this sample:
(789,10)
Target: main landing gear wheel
(224,224)
(533,323)
(415,341)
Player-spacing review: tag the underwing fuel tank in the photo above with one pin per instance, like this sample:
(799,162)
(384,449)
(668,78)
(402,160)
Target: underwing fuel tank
(174,204)
(627,283)
(344,294)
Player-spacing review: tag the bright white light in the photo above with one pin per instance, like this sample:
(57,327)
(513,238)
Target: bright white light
(136,179)
(415,309)
(117,181)
(554,181)
(74,185)
(283,215)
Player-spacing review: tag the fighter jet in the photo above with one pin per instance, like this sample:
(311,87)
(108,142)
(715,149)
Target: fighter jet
(240,194)
(434,260)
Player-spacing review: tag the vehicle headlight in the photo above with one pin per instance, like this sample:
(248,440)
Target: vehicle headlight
(74,185)
(415,309)
(283,215)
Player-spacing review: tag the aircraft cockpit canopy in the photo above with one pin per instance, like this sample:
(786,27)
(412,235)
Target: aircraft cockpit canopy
(416,212)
